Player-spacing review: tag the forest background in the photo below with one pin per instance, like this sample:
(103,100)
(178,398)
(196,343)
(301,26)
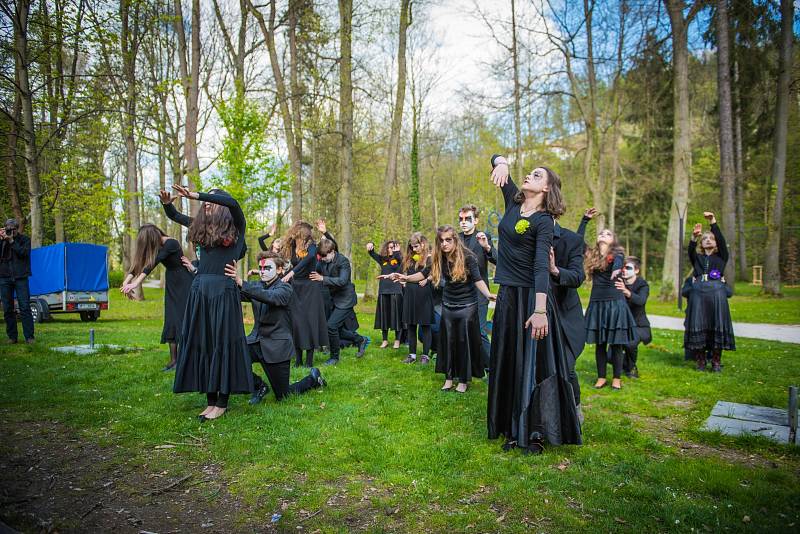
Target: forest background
(381,117)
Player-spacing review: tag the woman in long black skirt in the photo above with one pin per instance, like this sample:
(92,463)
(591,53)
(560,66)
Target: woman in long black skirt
(530,396)
(709,328)
(608,320)
(389,309)
(417,297)
(212,356)
(309,325)
(153,246)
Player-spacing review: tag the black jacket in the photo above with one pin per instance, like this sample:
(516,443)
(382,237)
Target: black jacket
(15,257)
(336,277)
(568,250)
(273,321)
(483,257)
(636,302)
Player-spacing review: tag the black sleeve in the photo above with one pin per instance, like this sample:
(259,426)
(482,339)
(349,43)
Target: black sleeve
(174,215)
(692,250)
(278,295)
(262,241)
(639,297)
(374,256)
(22,246)
(230,203)
(491,256)
(619,259)
(310,257)
(426,271)
(541,260)
(330,238)
(573,274)
(472,268)
(722,245)
(342,279)
(171,246)
(510,189)
(581,231)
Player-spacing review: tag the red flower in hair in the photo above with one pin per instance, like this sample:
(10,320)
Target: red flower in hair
(610,259)
(226,242)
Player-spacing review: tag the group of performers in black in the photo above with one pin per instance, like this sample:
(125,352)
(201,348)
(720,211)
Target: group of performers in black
(438,295)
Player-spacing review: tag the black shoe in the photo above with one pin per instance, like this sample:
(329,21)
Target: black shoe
(169,367)
(259,394)
(30,341)
(362,347)
(509,445)
(330,361)
(11,342)
(634,373)
(317,376)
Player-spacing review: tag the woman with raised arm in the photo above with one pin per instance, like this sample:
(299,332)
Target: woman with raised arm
(530,397)
(212,356)
(389,308)
(309,324)
(417,297)
(153,246)
(708,318)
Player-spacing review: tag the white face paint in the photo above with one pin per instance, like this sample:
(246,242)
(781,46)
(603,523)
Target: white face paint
(628,272)
(267,270)
(466,221)
(329,257)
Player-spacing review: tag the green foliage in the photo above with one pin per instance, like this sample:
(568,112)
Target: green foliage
(115,278)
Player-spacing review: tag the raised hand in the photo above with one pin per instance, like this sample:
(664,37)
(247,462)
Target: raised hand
(370,246)
(184,191)
(590,213)
(321,226)
(698,229)
(273,229)
(500,173)
(709,215)
(166,197)
(483,240)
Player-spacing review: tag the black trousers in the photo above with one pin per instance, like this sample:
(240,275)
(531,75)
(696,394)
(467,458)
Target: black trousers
(424,333)
(573,379)
(278,376)
(336,323)
(602,359)
(8,286)
(631,355)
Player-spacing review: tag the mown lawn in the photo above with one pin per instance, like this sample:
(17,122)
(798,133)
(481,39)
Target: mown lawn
(382,448)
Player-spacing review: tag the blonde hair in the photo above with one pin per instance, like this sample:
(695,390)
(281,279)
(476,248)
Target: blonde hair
(700,249)
(408,260)
(456,260)
(597,261)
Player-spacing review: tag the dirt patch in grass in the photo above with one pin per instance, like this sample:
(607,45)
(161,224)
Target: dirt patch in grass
(53,481)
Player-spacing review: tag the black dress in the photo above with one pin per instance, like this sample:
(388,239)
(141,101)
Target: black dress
(708,317)
(530,396)
(309,323)
(213,355)
(418,300)
(389,309)
(176,290)
(608,318)
(460,354)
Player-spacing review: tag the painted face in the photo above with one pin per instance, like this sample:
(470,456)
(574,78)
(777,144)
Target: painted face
(267,270)
(708,242)
(416,248)
(466,221)
(329,256)
(629,271)
(448,242)
(605,236)
(536,181)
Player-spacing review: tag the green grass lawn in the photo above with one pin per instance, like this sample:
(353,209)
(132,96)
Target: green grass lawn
(383,448)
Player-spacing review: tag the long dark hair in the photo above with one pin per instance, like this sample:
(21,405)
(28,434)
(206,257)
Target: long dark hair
(457,261)
(553,202)
(214,229)
(408,260)
(148,243)
(298,238)
(597,261)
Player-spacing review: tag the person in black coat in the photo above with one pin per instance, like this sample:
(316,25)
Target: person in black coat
(15,269)
(566,276)
(389,308)
(270,343)
(481,245)
(333,272)
(636,292)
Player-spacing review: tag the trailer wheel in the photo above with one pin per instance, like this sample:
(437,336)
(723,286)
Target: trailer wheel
(36,312)
(89,316)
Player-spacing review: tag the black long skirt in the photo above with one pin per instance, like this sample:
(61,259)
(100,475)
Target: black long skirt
(417,304)
(460,344)
(389,312)
(530,396)
(708,318)
(309,324)
(609,321)
(176,293)
(213,355)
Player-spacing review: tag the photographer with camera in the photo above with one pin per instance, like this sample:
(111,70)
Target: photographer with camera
(15,268)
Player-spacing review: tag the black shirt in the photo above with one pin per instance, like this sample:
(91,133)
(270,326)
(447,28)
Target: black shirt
(461,293)
(603,287)
(389,265)
(703,264)
(640,290)
(304,266)
(170,255)
(523,257)
(483,257)
(15,257)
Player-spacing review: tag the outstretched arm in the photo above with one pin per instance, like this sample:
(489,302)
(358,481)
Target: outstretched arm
(501,178)
(172,213)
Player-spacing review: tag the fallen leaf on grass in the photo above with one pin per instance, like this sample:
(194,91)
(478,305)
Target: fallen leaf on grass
(620,520)
(501,518)
(165,446)
(746,519)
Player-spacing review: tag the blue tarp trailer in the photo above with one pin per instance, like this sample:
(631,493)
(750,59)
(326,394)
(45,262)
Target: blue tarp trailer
(69,278)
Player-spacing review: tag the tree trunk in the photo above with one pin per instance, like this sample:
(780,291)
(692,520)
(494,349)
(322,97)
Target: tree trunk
(738,146)
(296,98)
(772,273)
(11,164)
(643,258)
(29,133)
(681,151)
(345,124)
(390,177)
(517,119)
(727,171)
(190,80)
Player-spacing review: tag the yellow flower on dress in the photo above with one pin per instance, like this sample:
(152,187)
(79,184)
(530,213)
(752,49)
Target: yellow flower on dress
(522,226)
(302,254)
(393,262)
(415,257)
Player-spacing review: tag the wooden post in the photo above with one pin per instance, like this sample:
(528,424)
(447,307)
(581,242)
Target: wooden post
(792,414)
